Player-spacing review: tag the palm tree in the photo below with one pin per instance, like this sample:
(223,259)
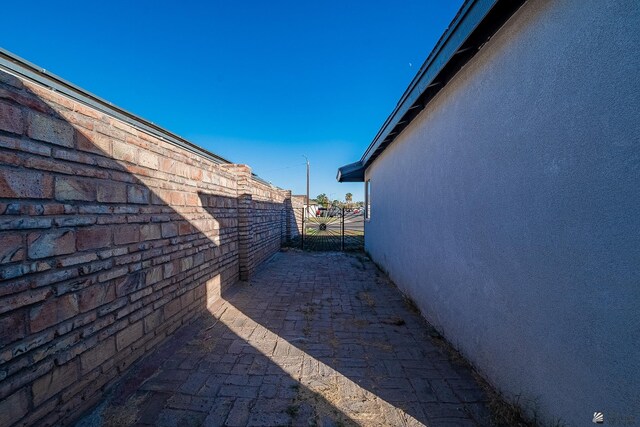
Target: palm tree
(322,199)
(348,198)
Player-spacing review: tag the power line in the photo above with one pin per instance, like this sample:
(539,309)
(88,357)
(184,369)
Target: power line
(279,169)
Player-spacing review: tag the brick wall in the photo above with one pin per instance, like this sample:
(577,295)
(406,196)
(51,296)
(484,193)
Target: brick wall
(268,223)
(295,214)
(110,239)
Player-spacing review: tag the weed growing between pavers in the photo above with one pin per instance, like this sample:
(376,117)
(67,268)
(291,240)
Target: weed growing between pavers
(123,415)
(361,323)
(366,298)
(309,409)
(336,346)
(411,305)
(293,410)
(308,310)
(394,320)
(502,412)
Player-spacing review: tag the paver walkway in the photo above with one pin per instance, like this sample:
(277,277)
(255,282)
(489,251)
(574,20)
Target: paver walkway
(314,339)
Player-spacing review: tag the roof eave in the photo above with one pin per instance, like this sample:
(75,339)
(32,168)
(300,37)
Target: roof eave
(474,24)
(353,172)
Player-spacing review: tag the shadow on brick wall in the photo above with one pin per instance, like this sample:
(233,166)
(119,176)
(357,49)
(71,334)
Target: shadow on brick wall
(107,250)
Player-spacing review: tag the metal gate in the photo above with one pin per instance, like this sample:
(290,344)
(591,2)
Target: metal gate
(332,229)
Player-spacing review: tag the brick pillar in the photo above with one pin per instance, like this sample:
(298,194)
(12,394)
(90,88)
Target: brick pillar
(245,220)
(288,213)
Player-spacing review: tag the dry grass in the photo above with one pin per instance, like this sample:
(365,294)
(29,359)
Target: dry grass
(377,344)
(199,345)
(503,412)
(517,413)
(334,342)
(293,410)
(394,320)
(361,323)
(411,305)
(307,310)
(366,298)
(325,404)
(360,261)
(122,415)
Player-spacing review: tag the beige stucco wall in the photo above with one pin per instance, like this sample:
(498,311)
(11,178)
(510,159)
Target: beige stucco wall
(509,210)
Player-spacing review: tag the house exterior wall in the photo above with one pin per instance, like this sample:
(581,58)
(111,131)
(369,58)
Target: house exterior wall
(509,209)
(110,240)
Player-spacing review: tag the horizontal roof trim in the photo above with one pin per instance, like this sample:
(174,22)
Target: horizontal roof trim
(25,69)
(29,71)
(476,22)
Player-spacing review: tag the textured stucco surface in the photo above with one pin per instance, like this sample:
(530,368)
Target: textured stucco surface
(509,210)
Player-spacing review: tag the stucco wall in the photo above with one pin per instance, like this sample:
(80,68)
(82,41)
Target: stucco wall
(509,210)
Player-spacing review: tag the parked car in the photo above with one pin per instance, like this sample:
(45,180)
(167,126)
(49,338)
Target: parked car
(334,211)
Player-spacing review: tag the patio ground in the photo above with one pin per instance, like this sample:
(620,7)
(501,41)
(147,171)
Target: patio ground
(313,339)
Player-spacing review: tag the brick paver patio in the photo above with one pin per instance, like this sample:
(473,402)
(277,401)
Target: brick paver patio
(314,339)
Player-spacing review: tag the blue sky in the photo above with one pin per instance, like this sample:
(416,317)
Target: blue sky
(257,82)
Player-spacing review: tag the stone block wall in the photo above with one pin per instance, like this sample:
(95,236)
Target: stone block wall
(295,214)
(110,239)
(268,223)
